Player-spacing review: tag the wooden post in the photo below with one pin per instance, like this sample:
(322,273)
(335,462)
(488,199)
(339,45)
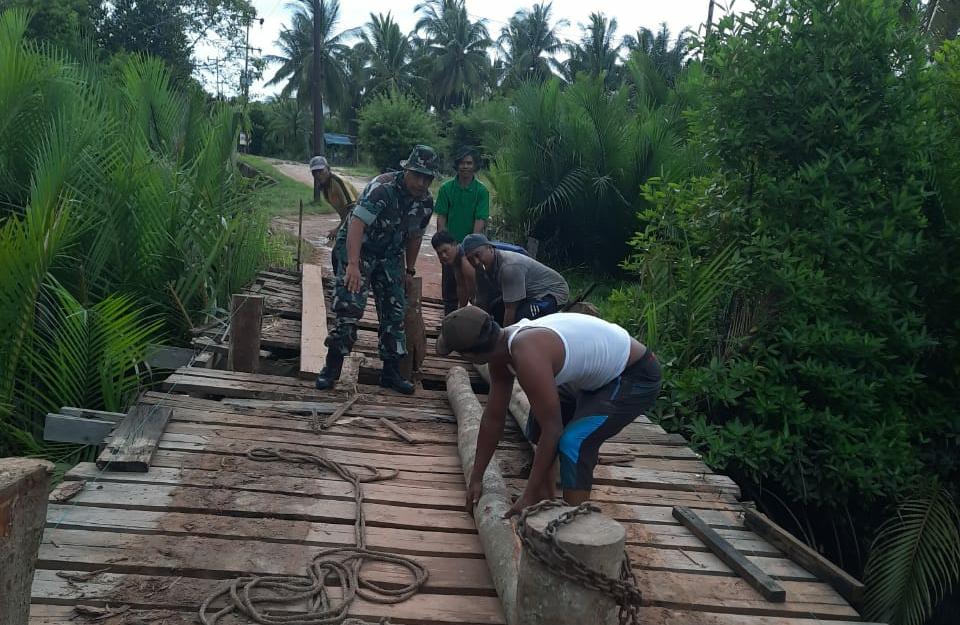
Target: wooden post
(313,322)
(23,513)
(415,330)
(545,598)
(500,543)
(245,318)
(533,246)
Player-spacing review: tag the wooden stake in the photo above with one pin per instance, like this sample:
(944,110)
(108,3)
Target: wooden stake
(396,429)
(246,316)
(415,329)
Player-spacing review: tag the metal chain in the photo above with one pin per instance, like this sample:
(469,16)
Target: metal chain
(554,556)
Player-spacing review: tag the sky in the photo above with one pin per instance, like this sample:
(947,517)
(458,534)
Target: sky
(630,14)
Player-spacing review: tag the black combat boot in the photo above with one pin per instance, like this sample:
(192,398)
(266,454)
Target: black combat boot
(391,378)
(331,371)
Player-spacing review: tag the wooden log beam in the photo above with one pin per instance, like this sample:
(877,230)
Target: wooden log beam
(500,542)
(60,428)
(415,330)
(23,512)
(848,586)
(245,318)
(763,583)
(519,404)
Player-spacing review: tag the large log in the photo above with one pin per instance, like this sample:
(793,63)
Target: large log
(23,511)
(500,542)
(519,404)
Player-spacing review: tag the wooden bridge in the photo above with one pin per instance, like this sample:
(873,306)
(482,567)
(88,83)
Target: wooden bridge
(141,548)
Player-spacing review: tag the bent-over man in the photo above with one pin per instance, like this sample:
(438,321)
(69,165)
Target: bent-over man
(586,379)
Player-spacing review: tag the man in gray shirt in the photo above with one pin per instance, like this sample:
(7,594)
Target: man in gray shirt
(529,289)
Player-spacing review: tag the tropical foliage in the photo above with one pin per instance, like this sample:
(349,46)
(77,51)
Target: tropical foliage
(122,222)
(392,124)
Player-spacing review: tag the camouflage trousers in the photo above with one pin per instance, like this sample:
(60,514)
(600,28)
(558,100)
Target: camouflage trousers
(385,277)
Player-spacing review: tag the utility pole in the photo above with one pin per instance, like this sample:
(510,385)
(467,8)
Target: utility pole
(245,79)
(318,143)
(215,61)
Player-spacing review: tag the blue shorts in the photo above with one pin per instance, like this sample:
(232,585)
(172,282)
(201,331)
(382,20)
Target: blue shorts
(591,417)
(534,308)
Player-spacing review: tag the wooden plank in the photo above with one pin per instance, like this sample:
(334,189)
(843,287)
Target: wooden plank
(665,480)
(665,616)
(112,417)
(650,560)
(313,351)
(174,458)
(770,589)
(848,586)
(66,429)
(714,593)
(322,485)
(266,505)
(217,557)
(246,316)
(168,357)
(350,373)
(423,541)
(135,439)
(173,600)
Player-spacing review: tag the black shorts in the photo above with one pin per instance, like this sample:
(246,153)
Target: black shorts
(591,417)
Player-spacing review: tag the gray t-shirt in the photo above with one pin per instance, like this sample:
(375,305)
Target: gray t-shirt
(521,277)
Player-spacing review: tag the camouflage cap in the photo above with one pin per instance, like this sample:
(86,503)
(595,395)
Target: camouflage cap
(422,159)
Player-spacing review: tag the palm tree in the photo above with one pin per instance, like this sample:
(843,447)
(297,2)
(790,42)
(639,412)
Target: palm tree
(356,77)
(288,127)
(390,53)
(297,59)
(596,53)
(669,60)
(528,44)
(457,65)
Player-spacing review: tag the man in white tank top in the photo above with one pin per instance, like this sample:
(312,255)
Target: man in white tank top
(586,379)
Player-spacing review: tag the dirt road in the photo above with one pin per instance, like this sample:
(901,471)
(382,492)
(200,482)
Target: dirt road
(316,227)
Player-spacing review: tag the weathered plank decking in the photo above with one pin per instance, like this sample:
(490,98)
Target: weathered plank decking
(153,545)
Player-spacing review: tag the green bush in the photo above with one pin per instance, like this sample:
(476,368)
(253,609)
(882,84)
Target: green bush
(784,286)
(482,126)
(391,124)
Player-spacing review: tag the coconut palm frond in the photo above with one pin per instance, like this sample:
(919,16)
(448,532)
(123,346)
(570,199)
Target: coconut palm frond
(914,560)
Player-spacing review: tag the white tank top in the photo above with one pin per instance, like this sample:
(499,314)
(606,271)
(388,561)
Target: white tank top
(595,351)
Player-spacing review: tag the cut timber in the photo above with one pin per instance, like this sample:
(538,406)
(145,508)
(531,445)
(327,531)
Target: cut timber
(765,584)
(313,324)
(415,330)
(849,587)
(60,428)
(350,373)
(23,511)
(500,542)
(519,404)
(546,598)
(135,439)
(396,429)
(246,317)
(112,417)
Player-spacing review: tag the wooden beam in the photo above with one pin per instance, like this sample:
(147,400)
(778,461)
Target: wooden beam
(135,439)
(168,357)
(848,586)
(245,319)
(313,323)
(750,572)
(396,429)
(500,543)
(60,428)
(415,330)
(23,511)
(86,413)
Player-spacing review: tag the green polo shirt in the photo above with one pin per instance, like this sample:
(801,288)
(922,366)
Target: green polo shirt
(462,206)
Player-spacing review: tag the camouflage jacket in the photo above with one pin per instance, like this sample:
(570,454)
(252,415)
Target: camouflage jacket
(390,214)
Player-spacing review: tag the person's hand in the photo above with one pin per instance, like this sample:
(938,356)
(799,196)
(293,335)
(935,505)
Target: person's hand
(524,501)
(474,490)
(353,278)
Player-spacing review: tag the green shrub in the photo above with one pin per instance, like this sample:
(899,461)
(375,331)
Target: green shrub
(784,286)
(391,124)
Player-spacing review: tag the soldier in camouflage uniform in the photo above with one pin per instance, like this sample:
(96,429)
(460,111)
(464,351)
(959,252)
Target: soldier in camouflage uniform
(376,248)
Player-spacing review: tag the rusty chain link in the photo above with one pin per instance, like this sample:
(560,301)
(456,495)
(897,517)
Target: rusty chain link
(623,590)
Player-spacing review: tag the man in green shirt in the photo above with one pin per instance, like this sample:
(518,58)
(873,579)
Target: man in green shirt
(462,208)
